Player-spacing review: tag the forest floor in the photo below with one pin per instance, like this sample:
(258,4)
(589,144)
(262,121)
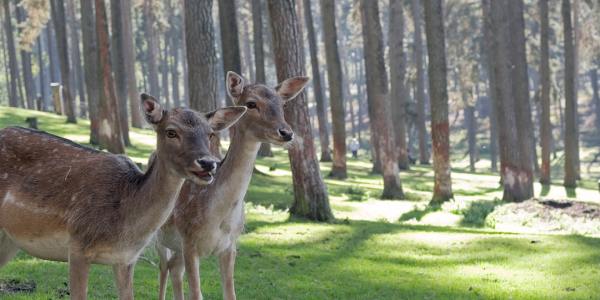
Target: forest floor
(474,247)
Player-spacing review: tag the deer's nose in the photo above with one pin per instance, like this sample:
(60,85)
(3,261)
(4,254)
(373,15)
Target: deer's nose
(286,134)
(207,164)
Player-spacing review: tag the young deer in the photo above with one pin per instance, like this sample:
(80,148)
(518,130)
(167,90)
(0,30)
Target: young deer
(65,202)
(209,219)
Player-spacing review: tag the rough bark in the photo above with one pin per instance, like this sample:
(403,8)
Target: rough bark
(336,93)
(164,72)
(53,55)
(322,116)
(175,39)
(129,60)
(14,99)
(43,76)
(259,58)
(78,82)
(90,61)
(440,135)
(491,91)
(397,73)
(596,96)
(118,66)
(60,27)
(310,194)
(545,125)
(378,99)
(151,48)
(109,133)
(230,44)
(28,82)
(420,81)
(571,129)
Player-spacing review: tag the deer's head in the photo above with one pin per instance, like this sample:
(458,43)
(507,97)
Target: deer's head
(265,118)
(183,137)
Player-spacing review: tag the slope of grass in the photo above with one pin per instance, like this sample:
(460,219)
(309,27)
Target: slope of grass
(367,253)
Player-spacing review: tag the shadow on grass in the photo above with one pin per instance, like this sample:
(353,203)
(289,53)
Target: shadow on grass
(477,212)
(418,214)
(571,192)
(545,190)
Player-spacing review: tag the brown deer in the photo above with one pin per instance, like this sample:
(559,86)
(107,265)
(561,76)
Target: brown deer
(65,202)
(207,220)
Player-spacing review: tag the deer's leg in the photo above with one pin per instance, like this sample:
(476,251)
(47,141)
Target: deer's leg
(177,268)
(8,249)
(79,268)
(192,268)
(163,255)
(124,280)
(226,266)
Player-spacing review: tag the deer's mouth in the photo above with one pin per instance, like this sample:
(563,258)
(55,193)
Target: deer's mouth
(203,176)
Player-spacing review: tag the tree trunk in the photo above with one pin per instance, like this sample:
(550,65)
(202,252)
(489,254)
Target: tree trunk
(26,65)
(310,194)
(14,100)
(336,93)
(78,82)
(596,96)
(164,70)
(53,55)
(571,128)
(43,76)
(378,98)
(491,91)
(151,48)
(397,71)
(175,39)
(440,135)
(230,44)
(119,67)
(420,95)
(110,134)
(545,125)
(129,61)
(60,27)
(259,59)
(471,124)
(90,61)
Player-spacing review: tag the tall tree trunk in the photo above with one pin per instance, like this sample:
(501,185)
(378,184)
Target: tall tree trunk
(397,72)
(545,125)
(110,135)
(74,30)
(471,124)
(26,65)
(576,38)
(259,58)
(43,76)
(491,91)
(378,98)
(174,38)
(245,37)
(596,96)
(310,194)
(420,95)
(151,48)
(129,61)
(90,61)
(571,128)
(230,44)
(60,27)
(119,67)
(14,99)
(336,93)
(164,70)
(53,55)
(440,135)
(322,116)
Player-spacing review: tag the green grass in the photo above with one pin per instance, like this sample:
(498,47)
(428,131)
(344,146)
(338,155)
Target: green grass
(367,253)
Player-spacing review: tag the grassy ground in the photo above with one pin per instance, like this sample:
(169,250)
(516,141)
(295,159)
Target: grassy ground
(375,250)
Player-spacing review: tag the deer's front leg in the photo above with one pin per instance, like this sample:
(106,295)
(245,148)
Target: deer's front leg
(79,268)
(192,268)
(177,268)
(124,280)
(226,266)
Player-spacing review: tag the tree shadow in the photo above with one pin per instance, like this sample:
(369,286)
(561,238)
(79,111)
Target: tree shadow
(545,190)
(477,212)
(418,214)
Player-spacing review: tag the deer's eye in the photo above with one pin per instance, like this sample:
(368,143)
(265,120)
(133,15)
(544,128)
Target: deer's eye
(171,133)
(251,105)
(211,135)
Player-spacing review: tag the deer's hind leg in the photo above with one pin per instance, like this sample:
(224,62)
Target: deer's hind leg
(8,249)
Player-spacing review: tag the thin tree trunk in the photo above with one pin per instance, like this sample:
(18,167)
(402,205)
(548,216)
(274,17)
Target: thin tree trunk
(53,55)
(78,82)
(43,76)
(420,95)
(440,134)
(90,60)
(545,125)
(129,61)
(164,70)
(58,17)
(571,129)
(14,100)
(596,96)
(322,116)
(336,93)
(259,58)
(230,45)
(310,194)
(28,82)
(119,67)
(151,48)
(174,39)
(378,98)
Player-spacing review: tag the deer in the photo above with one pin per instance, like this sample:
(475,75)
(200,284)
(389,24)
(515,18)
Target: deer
(62,201)
(208,220)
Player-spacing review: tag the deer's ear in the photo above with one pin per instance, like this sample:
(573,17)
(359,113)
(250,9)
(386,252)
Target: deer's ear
(291,87)
(152,109)
(223,118)
(234,84)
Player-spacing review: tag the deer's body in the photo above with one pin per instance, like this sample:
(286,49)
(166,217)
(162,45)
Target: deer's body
(207,220)
(65,202)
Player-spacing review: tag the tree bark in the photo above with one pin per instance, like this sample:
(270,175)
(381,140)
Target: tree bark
(164,70)
(28,82)
(596,96)
(259,59)
(440,135)
(545,125)
(336,93)
(571,129)
(129,61)
(378,98)
(175,39)
(230,44)
(90,61)
(119,68)
(78,82)
(491,91)
(110,135)
(14,99)
(60,27)
(397,73)
(43,76)
(151,48)
(420,92)
(310,194)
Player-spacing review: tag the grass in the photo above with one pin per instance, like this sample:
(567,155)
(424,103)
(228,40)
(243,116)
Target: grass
(375,250)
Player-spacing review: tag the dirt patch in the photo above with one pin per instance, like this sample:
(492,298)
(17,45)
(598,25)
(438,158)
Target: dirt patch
(11,286)
(555,215)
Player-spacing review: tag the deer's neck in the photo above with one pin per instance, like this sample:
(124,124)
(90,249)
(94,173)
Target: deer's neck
(234,175)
